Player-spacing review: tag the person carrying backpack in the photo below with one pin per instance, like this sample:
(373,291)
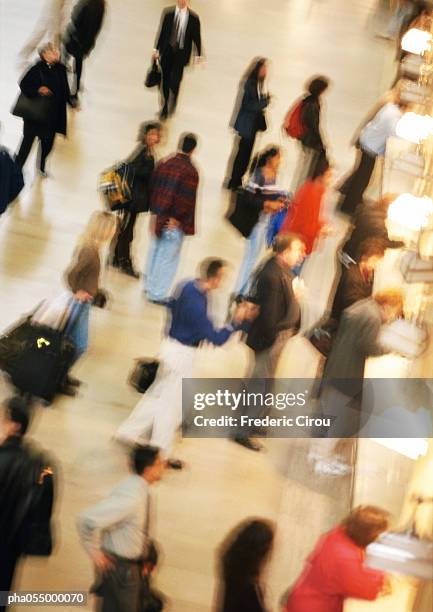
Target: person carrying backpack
(302,123)
(26,493)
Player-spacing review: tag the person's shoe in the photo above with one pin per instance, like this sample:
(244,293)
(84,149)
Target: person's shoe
(175,464)
(128,269)
(73,382)
(43,173)
(248,443)
(74,102)
(163,115)
(158,302)
(66,389)
(332,467)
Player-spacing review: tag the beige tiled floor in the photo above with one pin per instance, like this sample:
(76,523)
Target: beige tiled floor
(223,483)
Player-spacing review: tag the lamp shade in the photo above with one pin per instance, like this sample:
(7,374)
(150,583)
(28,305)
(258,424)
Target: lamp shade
(407,215)
(414,128)
(416,41)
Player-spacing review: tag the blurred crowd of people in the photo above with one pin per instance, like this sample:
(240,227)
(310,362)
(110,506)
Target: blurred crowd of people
(280,228)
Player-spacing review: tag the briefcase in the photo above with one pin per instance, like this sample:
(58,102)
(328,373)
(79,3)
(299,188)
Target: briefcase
(143,374)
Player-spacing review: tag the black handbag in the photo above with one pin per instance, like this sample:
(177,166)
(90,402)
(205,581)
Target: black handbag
(36,109)
(245,212)
(154,75)
(143,374)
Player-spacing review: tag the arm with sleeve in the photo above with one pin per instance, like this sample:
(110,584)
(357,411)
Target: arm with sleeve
(368,339)
(358,581)
(196,318)
(197,37)
(251,101)
(267,298)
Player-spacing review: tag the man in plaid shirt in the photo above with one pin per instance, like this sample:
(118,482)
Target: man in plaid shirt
(172,201)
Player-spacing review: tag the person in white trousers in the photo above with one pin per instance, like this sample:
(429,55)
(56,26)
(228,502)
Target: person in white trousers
(159,413)
(49,28)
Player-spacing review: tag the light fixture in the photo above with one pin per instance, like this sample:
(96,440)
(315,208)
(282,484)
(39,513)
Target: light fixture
(414,128)
(416,41)
(407,215)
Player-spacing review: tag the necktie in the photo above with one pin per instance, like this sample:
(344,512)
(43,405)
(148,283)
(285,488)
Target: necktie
(175,33)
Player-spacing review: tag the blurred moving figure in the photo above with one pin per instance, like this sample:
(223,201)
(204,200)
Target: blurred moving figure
(47,78)
(159,413)
(49,27)
(354,284)
(308,111)
(11,179)
(335,570)
(173,201)
(243,558)
(356,281)
(305,215)
(82,278)
(15,484)
(27,489)
(81,34)
(264,172)
(141,164)
(180,28)
(115,534)
(369,221)
(250,119)
(342,385)
(278,316)
(371,145)
(276,298)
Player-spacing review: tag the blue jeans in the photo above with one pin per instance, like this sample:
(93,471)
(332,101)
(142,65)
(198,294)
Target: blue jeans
(255,244)
(77,328)
(162,263)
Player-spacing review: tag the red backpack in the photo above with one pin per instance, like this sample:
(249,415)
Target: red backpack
(293,125)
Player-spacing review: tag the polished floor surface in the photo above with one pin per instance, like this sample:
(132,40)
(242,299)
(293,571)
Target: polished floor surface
(223,483)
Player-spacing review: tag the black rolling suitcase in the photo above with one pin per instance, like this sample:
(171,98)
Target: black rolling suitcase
(36,358)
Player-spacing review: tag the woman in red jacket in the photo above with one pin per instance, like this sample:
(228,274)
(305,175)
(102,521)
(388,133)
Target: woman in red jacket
(335,570)
(304,216)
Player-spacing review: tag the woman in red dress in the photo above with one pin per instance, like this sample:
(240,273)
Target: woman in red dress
(335,570)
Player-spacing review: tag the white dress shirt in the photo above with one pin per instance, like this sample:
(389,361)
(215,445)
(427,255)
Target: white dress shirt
(181,17)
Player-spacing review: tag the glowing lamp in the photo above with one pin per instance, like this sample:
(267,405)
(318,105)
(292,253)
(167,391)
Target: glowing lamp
(416,41)
(407,216)
(414,128)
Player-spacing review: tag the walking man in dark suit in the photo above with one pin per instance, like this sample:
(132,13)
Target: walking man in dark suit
(179,30)
(276,296)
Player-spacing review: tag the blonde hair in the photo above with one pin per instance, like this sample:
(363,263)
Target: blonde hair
(100,229)
(392,298)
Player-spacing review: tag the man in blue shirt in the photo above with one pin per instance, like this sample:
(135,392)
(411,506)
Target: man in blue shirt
(159,413)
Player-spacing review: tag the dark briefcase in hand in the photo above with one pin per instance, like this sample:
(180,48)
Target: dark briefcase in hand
(143,374)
